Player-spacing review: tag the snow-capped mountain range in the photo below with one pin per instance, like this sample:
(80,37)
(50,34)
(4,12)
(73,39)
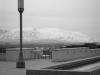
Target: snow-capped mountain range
(45,36)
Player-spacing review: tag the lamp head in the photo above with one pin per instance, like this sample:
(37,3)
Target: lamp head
(20,5)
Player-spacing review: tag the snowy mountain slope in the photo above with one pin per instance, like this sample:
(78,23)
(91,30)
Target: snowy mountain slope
(45,36)
(58,34)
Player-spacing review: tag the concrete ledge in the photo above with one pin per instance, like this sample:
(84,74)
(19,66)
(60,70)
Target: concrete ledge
(67,68)
(55,72)
(61,72)
(76,63)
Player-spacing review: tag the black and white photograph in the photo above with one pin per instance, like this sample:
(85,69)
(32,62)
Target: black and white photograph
(49,37)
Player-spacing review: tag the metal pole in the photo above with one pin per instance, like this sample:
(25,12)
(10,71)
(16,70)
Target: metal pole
(21,62)
(21,33)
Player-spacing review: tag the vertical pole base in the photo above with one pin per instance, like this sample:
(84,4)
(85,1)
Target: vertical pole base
(20,64)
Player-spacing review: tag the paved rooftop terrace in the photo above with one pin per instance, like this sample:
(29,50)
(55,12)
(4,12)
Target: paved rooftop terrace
(9,68)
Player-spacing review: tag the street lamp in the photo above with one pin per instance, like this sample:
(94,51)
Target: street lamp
(21,63)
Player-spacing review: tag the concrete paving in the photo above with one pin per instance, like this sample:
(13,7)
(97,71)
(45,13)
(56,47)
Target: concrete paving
(9,68)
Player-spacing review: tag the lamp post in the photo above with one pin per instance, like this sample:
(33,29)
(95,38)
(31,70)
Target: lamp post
(21,63)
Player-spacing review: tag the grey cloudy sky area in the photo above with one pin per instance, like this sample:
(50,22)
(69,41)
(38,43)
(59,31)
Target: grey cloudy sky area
(74,15)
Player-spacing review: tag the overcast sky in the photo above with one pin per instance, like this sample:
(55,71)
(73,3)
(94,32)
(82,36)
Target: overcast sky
(74,15)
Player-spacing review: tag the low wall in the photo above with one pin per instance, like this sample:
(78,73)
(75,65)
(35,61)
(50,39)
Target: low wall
(12,54)
(65,54)
(2,56)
